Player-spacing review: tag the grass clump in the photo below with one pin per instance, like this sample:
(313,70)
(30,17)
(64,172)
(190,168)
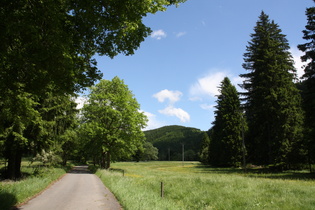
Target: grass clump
(35,179)
(193,186)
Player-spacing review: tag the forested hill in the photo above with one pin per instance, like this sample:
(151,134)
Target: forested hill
(169,140)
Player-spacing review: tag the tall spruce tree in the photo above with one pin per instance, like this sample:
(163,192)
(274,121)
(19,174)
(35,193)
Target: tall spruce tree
(309,82)
(272,100)
(226,137)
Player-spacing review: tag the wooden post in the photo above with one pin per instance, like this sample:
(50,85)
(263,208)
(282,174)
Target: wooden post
(183,153)
(162,189)
(123,172)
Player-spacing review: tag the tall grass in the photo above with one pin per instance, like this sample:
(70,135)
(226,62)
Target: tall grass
(34,181)
(194,187)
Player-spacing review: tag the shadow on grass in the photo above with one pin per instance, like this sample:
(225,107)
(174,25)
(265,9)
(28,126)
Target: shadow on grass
(7,201)
(258,173)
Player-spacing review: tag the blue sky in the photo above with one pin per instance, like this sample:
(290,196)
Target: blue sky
(175,73)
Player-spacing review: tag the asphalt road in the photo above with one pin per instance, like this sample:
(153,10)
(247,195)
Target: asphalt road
(77,190)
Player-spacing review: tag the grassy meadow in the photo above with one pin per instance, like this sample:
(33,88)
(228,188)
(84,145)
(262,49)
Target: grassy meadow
(35,179)
(193,186)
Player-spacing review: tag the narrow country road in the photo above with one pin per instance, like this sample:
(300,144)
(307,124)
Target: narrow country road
(77,190)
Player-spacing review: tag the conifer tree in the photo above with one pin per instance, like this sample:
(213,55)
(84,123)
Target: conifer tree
(226,138)
(309,82)
(272,100)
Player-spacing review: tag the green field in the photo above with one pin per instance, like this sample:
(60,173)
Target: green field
(193,186)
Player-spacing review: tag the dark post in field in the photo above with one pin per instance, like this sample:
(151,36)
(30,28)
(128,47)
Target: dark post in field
(183,152)
(162,189)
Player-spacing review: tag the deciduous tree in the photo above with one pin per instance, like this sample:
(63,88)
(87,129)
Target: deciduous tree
(51,43)
(112,120)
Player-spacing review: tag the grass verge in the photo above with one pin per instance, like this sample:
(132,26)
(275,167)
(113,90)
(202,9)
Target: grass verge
(193,186)
(34,181)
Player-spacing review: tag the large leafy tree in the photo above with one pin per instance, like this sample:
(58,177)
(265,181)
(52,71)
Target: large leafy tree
(308,83)
(49,46)
(272,99)
(112,121)
(226,138)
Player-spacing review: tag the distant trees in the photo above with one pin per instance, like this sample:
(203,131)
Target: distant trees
(272,100)
(308,85)
(150,152)
(169,139)
(204,150)
(112,121)
(225,148)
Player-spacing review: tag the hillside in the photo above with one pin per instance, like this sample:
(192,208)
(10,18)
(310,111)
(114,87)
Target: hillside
(169,140)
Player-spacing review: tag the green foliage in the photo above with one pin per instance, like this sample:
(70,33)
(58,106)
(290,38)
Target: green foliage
(272,101)
(150,152)
(169,140)
(47,49)
(112,121)
(204,151)
(48,158)
(225,148)
(308,85)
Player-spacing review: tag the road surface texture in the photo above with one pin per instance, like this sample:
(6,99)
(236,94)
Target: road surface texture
(77,190)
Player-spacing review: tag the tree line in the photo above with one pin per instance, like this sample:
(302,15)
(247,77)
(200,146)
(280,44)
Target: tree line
(272,122)
(172,141)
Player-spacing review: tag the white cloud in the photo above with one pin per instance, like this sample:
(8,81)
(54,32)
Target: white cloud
(152,121)
(195,98)
(296,53)
(207,106)
(172,96)
(158,34)
(80,100)
(177,112)
(207,85)
(170,110)
(179,34)
(236,81)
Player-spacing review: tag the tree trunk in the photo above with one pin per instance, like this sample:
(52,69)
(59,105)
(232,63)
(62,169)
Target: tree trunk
(14,164)
(102,163)
(13,154)
(107,160)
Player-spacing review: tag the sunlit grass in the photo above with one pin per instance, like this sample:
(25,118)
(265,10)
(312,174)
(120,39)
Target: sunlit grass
(192,186)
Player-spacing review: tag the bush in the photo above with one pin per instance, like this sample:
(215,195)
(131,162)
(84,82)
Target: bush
(48,158)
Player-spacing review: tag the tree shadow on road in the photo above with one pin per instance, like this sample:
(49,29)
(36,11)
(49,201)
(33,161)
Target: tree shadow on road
(80,170)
